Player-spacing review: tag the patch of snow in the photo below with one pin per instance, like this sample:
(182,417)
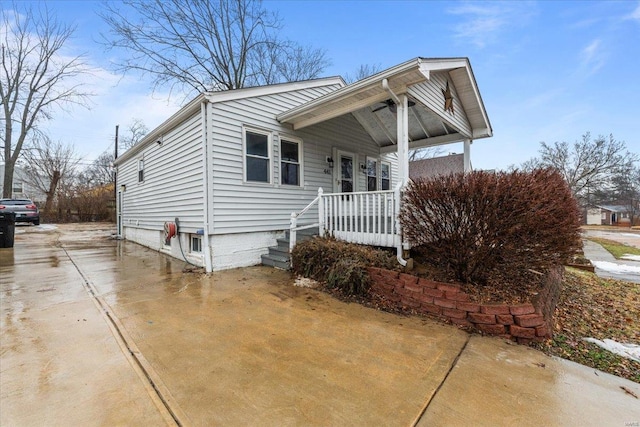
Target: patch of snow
(629,235)
(630,351)
(631,257)
(616,268)
(304,282)
(45,227)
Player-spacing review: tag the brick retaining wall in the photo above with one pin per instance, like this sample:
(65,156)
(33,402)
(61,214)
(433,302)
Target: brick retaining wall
(521,322)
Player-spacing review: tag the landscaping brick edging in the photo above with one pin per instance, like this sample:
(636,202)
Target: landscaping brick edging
(520,322)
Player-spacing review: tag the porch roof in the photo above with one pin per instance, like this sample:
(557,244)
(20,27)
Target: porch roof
(422,79)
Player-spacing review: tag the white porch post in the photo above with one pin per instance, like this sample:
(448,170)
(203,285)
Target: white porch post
(467,156)
(403,139)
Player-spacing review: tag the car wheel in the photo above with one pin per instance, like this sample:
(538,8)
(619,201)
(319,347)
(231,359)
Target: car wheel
(36,222)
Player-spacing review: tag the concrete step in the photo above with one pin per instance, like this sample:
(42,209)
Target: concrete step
(280,250)
(276,261)
(304,234)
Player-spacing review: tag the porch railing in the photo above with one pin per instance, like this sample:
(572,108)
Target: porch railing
(293,224)
(368,217)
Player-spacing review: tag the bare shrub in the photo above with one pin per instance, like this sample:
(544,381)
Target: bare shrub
(485,224)
(341,265)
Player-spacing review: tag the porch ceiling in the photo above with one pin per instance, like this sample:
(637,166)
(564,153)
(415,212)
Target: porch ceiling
(422,80)
(425,127)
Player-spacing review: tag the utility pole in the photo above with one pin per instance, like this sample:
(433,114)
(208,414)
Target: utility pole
(115,154)
(115,188)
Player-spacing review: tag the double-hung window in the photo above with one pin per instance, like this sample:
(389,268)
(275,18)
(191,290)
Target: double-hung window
(257,157)
(385,176)
(141,170)
(290,162)
(372,174)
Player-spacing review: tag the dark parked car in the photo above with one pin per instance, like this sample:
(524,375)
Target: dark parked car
(25,210)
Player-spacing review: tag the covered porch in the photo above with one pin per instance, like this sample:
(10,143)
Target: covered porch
(418,104)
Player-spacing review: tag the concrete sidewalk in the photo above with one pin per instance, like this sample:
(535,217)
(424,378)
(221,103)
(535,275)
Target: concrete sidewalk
(626,270)
(103,332)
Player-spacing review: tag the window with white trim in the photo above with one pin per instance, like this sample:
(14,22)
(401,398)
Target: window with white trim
(141,170)
(290,155)
(372,174)
(385,176)
(195,243)
(257,156)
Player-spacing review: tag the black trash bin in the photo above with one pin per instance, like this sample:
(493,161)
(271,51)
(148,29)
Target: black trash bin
(7,229)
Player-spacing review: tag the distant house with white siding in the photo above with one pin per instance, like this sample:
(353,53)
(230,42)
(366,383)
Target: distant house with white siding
(238,169)
(22,188)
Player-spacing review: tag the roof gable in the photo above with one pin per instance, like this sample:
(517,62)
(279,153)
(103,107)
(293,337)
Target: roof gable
(193,106)
(368,92)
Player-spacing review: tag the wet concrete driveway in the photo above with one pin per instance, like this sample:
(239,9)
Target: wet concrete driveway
(102,332)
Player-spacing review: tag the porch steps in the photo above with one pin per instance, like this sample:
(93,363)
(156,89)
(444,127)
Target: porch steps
(279,256)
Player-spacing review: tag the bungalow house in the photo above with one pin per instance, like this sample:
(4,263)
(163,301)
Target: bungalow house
(614,215)
(232,172)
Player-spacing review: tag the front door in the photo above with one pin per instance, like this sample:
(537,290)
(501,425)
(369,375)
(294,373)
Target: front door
(345,180)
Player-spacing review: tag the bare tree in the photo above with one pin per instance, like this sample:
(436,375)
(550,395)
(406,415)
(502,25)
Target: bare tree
(625,190)
(36,77)
(588,165)
(98,173)
(363,71)
(47,165)
(137,130)
(426,153)
(192,45)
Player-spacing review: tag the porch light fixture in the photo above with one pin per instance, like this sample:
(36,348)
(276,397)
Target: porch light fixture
(363,168)
(330,162)
(327,171)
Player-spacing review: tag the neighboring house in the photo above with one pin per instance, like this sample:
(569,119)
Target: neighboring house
(592,216)
(21,187)
(614,215)
(237,169)
(436,166)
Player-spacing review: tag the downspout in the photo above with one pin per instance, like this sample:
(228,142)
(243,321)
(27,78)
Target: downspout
(205,186)
(402,144)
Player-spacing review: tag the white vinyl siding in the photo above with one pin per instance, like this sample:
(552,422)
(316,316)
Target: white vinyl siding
(240,206)
(172,181)
(430,94)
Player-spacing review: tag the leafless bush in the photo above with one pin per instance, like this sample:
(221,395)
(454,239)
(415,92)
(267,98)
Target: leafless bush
(481,224)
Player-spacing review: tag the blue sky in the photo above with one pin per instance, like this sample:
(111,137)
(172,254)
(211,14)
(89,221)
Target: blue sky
(547,71)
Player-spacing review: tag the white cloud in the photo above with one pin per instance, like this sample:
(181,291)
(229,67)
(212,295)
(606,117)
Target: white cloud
(635,15)
(117,101)
(592,58)
(482,22)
